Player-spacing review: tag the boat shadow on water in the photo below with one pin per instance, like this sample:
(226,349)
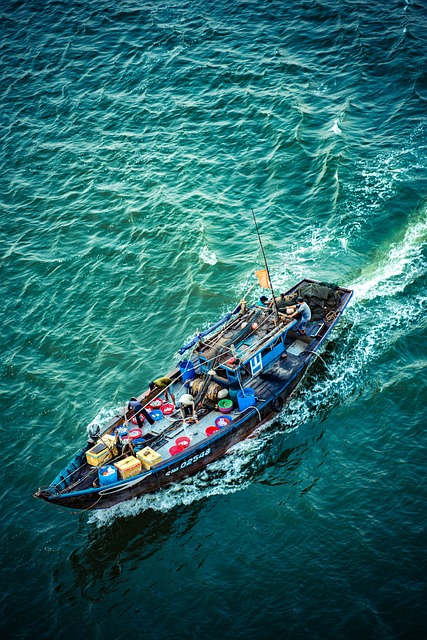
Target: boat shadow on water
(118,543)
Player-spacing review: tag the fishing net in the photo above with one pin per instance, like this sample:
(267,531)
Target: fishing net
(321,297)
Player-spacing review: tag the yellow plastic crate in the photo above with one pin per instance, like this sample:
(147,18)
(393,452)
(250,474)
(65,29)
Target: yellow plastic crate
(148,457)
(128,467)
(98,455)
(109,440)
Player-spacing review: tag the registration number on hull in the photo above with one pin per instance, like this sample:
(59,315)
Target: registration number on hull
(187,463)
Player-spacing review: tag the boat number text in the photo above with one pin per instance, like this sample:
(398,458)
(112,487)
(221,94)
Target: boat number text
(187,463)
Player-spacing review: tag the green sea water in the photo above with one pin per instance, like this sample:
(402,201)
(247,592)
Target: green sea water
(136,137)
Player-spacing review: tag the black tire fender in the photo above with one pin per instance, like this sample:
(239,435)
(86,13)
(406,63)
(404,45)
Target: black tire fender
(277,404)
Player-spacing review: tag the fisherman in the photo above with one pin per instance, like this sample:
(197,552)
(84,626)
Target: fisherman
(301,311)
(188,411)
(125,446)
(263,301)
(137,407)
(162,383)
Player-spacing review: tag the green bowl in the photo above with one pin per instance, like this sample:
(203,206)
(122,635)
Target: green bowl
(225,405)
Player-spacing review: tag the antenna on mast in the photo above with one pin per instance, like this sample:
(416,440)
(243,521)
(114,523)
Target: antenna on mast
(276,311)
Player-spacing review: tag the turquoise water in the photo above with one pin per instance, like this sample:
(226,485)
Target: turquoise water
(136,138)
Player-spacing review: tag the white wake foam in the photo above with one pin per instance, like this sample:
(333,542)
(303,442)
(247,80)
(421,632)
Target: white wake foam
(227,475)
(400,265)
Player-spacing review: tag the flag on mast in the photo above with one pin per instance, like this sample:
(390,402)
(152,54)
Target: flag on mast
(263,279)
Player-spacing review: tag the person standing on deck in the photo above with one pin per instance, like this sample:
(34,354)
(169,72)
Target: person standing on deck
(303,313)
(137,407)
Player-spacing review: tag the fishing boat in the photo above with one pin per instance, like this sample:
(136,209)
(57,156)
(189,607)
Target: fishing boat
(229,380)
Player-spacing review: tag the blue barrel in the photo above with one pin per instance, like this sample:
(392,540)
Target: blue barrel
(246,398)
(187,370)
(107,475)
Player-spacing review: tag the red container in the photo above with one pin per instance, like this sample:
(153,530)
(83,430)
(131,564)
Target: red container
(183,441)
(135,421)
(175,449)
(156,403)
(211,430)
(167,408)
(134,434)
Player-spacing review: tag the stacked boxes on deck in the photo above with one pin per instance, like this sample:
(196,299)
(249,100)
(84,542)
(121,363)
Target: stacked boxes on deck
(104,449)
(148,457)
(128,467)
(99,454)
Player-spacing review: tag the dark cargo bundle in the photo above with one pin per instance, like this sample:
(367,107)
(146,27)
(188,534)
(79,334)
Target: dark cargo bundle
(320,297)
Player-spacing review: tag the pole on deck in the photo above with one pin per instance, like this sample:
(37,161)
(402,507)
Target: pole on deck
(276,311)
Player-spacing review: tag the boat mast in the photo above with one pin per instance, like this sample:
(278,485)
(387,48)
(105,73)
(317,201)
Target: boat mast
(276,311)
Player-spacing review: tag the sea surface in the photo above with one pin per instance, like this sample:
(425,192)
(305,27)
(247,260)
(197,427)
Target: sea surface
(136,138)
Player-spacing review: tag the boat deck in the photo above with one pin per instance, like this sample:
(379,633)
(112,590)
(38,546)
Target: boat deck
(169,428)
